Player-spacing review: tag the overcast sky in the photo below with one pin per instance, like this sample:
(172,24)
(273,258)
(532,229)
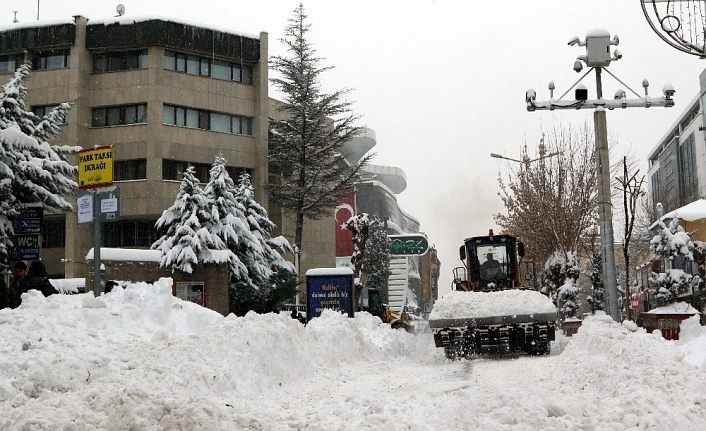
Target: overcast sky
(442,82)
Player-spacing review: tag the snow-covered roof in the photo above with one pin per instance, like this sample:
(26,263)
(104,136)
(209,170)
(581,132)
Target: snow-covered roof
(34,24)
(691,212)
(676,308)
(128,20)
(330,271)
(127,254)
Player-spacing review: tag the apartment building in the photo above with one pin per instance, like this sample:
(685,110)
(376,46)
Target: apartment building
(677,164)
(165,94)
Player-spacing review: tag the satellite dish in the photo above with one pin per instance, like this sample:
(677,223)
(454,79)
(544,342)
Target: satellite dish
(120,9)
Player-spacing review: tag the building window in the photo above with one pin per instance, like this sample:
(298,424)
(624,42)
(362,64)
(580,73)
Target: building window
(204,66)
(43,111)
(206,120)
(57,59)
(10,63)
(53,233)
(688,183)
(126,170)
(174,170)
(119,60)
(119,115)
(191,291)
(130,233)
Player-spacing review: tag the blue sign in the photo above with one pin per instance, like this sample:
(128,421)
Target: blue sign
(27,225)
(26,247)
(329,292)
(28,221)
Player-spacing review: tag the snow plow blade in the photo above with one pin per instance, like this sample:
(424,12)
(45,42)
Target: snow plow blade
(522,333)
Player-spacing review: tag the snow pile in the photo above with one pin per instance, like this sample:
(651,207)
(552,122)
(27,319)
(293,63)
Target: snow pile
(643,378)
(140,358)
(692,337)
(459,305)
(68,285)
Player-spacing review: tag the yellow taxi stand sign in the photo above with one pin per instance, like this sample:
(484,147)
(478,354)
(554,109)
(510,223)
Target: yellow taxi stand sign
(95,167)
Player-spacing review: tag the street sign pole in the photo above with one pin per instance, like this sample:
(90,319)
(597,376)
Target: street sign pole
(96,244)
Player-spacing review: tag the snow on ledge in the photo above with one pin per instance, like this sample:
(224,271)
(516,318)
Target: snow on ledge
(33,24)
(676,308)
(690,212)
(329,271)
(127,254)
(129,20)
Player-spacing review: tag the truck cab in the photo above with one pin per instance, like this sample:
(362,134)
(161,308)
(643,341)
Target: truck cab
(490,263)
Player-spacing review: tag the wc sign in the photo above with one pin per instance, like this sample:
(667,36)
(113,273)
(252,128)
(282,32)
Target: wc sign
(27,239)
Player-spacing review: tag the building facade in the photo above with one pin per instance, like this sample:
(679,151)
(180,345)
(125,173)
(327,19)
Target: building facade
(677,164)
(413,281)
(164,94)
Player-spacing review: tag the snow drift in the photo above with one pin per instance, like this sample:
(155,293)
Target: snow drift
(139,357)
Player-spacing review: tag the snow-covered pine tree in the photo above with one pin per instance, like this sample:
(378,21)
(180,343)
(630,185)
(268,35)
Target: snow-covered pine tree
(227,219)
(568,300)
(376,260)
(31,170)
(186,240)
(41,172)
(360,226)
(307,137)
(671,242)
(272,276)
(270,259)
(594,270)
(560,266)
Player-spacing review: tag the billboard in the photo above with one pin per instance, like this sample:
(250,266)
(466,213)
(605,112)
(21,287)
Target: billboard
(95,167)
(329,289)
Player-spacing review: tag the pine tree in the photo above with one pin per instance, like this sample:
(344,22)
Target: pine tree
(376,260)
(670,243)
(265,256)
(594,271)
(306,143)
(31,169)
(568,298)
(227,218)
(557,269)
(41,172)
(271,274)
(187,241)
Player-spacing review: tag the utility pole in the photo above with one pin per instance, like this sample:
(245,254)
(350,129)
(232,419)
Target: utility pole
(598,57)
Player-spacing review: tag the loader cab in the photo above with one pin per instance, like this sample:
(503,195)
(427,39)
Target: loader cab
(492,261)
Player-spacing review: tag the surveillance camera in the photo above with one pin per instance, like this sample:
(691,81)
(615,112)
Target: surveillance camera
(617,54)
(668,91)
(578,66)
(530,95)
(574,41)
(581,93)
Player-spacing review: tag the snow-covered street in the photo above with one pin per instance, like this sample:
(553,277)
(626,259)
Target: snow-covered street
(140,358)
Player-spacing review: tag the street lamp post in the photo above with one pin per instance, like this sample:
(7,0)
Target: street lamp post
(526,160)
(597,58)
